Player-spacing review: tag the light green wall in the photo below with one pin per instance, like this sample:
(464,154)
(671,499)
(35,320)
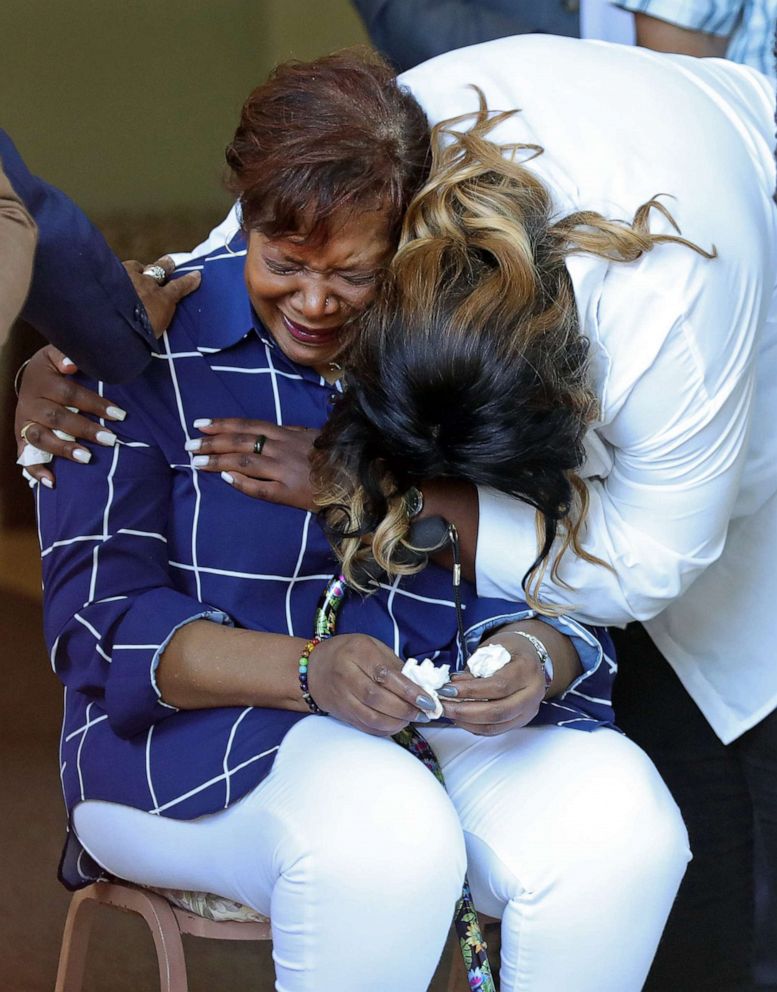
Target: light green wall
(128,105)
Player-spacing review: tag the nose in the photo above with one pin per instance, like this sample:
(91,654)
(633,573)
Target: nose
(316,300)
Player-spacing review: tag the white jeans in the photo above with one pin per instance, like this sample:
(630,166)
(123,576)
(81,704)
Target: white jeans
(357,854)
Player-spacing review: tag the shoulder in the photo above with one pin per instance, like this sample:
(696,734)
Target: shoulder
(221,302)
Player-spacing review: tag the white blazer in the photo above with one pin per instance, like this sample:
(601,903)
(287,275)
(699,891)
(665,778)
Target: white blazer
(682,468)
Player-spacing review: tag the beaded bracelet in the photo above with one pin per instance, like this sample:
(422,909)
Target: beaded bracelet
(303,676)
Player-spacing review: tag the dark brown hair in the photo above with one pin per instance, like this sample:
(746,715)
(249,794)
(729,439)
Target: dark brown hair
(327,137)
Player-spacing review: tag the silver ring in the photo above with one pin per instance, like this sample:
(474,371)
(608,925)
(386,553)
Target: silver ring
(157,273)
(259,444)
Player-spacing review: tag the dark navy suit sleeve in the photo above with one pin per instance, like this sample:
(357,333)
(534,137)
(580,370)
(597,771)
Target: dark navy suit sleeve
(81,298)
(409,32)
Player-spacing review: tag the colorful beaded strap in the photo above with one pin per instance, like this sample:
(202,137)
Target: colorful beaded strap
(465,918)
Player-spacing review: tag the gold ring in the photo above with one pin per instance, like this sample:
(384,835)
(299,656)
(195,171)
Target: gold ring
(23,431)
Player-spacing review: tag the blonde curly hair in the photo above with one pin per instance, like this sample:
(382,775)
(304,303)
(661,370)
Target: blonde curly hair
(472,364)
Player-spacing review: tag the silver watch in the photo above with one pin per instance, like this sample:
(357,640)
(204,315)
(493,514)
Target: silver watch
(546,662)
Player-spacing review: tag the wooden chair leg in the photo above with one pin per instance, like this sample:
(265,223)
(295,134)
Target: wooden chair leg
(159,918)
(161,921)
(75,941)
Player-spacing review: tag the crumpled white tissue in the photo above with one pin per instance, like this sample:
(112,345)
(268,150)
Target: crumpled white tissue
(429,677)
(34,456)
(488,659)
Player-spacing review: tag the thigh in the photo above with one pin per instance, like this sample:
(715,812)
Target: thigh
(350,845)
(701,948)
(334,797)
(574,841)
(757,750)
(547,799)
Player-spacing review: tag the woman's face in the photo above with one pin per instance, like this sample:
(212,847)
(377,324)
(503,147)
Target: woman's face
(304,294)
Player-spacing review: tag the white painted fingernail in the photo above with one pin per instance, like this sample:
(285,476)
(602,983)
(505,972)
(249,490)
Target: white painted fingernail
(47,483)
(228,478)
(194,445)
(106,438)
(67,361)
(199,424)
(115,413)
(82,455)
(199,461)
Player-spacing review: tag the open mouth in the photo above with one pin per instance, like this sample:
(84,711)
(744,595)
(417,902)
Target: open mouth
(310,335)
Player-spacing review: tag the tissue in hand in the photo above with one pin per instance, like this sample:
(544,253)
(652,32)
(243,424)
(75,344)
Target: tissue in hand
(488,659)
(429,677)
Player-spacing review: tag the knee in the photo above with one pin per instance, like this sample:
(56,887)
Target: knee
(641,833)
(402,834)
(379,820)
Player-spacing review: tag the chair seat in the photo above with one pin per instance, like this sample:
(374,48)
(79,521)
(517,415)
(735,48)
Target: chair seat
(168,914)
(166,922)
(210,906)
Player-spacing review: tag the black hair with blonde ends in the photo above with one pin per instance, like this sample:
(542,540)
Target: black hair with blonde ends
(472,364)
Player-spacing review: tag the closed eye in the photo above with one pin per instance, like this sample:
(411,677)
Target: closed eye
(359,279)
(279,269)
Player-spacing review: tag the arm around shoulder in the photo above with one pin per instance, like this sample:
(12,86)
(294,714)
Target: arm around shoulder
(81,298)
(17,250)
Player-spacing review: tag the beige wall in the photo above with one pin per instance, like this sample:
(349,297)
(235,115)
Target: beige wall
(127,104)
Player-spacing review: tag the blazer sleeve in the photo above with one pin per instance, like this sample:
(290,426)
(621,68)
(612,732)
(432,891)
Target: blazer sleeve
(81,298)
(660,515)
(409,33)
(110,603)
(17,249)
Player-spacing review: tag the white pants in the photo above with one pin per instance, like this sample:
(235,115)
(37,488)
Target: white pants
(356,853)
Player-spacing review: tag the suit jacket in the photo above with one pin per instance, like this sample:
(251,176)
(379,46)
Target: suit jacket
(17,248)
(81,298)
(409,32)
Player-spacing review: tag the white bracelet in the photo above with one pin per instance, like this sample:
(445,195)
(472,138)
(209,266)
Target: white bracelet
(546,662)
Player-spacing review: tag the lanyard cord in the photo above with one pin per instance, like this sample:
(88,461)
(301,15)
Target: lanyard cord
(465,918)
(453,537)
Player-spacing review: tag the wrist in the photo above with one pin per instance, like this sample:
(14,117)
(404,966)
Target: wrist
(302,670)
(17,379)
(544,659)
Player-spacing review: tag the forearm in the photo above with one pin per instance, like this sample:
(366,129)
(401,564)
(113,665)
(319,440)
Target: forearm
(17,249)
(207,665)
(662,36)
(80,298)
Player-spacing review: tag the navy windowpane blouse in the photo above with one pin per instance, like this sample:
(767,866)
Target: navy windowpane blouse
(137,543)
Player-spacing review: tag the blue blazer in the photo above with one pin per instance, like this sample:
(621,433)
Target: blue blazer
(81,298)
